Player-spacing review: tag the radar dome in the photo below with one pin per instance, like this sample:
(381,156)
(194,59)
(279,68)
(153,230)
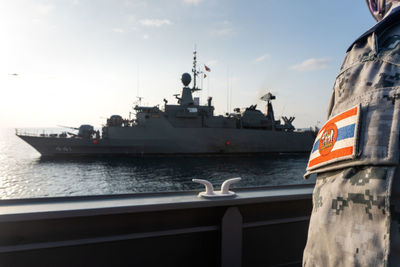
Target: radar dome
(186,79)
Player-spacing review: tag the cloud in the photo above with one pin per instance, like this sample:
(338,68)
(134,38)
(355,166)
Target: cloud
(118,30)
(131,18)
(224,32)
(192,2)
(223,28)
(262,58)
(312,64)
(44,9)
(135,3)
(145,36)
(155,22)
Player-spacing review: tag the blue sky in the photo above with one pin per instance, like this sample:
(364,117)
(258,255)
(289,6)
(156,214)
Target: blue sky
(81,61)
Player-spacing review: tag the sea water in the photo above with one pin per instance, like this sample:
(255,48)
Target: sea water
(24,174)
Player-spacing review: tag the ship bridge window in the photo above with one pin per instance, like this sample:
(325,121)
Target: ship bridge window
(192,110)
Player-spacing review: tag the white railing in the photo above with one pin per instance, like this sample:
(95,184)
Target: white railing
(40,133)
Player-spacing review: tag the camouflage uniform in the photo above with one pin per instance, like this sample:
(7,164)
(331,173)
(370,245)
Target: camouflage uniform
(355,219)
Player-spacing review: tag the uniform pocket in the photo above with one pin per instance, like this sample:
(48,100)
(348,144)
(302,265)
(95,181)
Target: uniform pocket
(379,132)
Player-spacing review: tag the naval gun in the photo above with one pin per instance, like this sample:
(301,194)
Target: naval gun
(68,127)
(84,131)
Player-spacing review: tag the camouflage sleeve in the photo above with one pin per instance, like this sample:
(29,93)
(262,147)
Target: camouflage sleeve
(350,218)
(355,219)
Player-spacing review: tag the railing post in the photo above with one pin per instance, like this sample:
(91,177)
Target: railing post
(231,239)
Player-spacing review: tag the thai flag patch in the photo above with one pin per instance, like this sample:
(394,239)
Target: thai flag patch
(337,140)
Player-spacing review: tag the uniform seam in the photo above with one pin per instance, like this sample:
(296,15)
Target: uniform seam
(376,57)
(363,98)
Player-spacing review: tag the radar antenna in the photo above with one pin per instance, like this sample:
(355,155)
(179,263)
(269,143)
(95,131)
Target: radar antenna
(268,97)
(269,111)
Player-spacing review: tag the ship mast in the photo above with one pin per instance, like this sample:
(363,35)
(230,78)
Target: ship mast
(194,70)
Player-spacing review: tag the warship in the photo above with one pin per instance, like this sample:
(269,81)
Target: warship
(183,128)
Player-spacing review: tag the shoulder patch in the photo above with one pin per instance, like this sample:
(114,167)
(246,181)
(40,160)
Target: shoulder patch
(337,140)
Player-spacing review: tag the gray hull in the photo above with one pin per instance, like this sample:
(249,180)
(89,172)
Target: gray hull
(141,141)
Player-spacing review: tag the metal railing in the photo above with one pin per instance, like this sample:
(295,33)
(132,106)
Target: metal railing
(264,226)
(40,133)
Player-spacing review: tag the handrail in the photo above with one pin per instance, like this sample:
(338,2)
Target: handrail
(134,229)
(38,133)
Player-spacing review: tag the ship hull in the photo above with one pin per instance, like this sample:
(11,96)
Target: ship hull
(140,141)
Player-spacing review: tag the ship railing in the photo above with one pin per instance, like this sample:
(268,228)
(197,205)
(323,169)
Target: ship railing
(40,133)
(264,226)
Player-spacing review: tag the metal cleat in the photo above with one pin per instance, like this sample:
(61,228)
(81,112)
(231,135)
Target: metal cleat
(224,192)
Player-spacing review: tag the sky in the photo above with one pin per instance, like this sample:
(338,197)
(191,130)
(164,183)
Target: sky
(73,62)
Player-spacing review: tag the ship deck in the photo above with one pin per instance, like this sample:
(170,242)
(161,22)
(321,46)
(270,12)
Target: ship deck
(260,227)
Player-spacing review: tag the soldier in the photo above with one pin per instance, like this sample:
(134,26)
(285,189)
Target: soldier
(355,219)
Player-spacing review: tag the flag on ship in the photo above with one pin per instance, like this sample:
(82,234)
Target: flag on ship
(207,68)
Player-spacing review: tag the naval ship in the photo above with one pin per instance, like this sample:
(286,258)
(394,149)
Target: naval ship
(183,128)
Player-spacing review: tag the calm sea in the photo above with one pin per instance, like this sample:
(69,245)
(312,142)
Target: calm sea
(23,174)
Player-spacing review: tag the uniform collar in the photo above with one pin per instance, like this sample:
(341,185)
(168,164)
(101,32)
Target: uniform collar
(392,18)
